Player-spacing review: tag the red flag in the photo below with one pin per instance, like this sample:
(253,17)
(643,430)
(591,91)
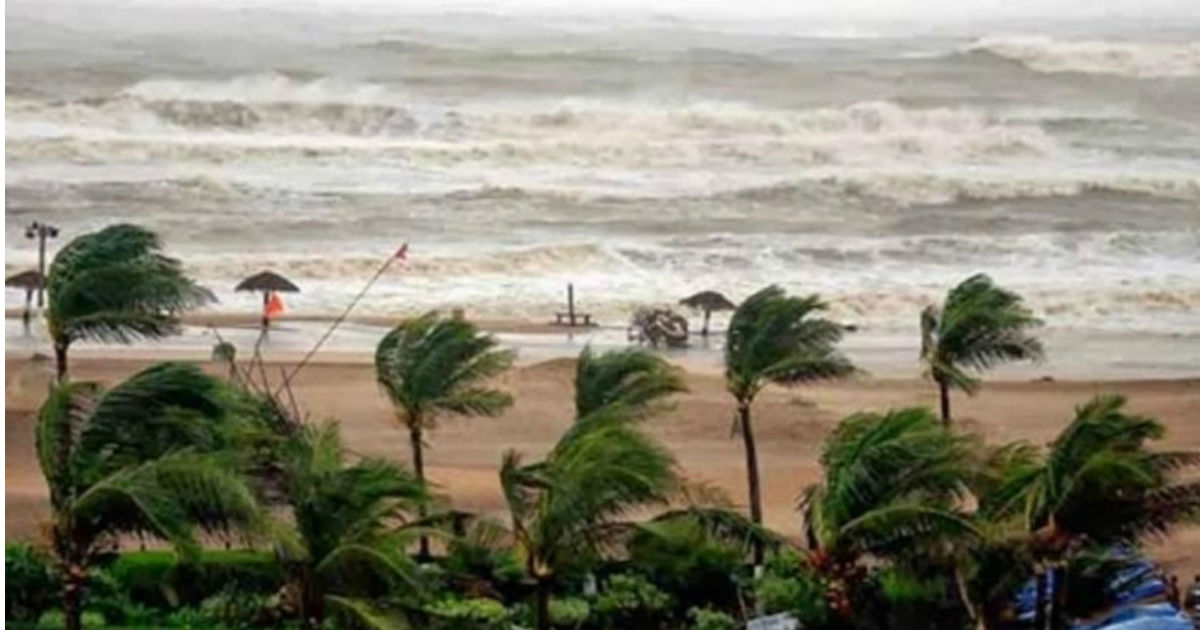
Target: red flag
(402,253)
(274,306)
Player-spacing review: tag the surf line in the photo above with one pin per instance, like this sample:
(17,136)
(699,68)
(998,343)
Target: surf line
(401,255)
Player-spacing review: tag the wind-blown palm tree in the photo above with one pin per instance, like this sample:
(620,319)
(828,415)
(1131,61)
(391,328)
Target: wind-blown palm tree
(115,285)
(348,548)
(429,367)
(634,379)
(136,459)
(776,338)
(893,489)
(1098,484)
(567,507)
(979,326)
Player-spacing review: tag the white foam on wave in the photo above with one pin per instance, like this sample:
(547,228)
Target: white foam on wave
(1122,279)
(1141,60)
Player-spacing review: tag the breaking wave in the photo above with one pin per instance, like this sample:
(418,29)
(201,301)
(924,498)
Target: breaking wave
(276,117)
(1140,60)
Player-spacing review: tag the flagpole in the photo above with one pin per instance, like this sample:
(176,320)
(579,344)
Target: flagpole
(341,318)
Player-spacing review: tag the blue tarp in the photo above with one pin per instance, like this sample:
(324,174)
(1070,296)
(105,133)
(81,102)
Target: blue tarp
(1137,583)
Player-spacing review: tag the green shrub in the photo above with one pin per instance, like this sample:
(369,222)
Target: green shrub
(30,583)
(788,586)
(900,588)
(706,619)
(236,609)
(686,561)
(468,614)
(158,579)
(631,601)
(55,620)
(569,612)
(188,618)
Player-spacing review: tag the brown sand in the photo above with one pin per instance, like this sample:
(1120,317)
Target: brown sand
(790,425)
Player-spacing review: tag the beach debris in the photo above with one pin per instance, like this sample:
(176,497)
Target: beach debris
(659,326)
(270,284)
(708,302)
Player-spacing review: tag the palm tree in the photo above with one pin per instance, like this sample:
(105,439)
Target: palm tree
(893,490)
(348,547)
(1098,485)
(115,285)
(430,366)
(979,326)
(776,338)
(567,507)
(634,379)
(140,459)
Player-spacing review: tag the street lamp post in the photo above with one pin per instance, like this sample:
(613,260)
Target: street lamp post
(41,231)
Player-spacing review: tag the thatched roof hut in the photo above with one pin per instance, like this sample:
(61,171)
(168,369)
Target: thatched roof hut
(267,281)
(708,301)
(29,280)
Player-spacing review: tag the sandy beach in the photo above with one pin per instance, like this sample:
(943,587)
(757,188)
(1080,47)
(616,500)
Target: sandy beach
(790,424)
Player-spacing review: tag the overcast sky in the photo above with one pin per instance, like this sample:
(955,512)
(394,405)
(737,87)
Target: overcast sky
(838,10)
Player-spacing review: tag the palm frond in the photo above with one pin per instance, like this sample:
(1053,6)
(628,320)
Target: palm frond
(431,365)
(900,469)
(368,615)
(778,338)
(633,378)
(114,285)
(160,409)
(168,498)
(979,326)
(60,419)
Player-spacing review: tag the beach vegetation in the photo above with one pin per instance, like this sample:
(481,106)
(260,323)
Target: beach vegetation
(979,326)
(776,338)
(116,286)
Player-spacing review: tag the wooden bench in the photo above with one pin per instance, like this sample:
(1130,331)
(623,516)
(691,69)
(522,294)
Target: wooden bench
(572,319)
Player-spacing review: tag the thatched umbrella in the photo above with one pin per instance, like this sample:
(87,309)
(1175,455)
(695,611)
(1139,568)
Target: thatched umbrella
(268,282)
(30,281)
(708,301)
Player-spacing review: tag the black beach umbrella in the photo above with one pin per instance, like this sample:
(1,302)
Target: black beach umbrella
(268,282)
(30,281)
(708,301)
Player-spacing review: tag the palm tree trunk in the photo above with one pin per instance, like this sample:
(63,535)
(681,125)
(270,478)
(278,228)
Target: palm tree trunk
(60,361)
(414,436)
(944,389)
(1039,611)
(73,600)
(312,605)
(542,593)
(752,475)
(704,329)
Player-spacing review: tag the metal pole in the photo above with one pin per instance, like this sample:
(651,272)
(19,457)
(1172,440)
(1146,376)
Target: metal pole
(41,231)
(41,262)
(571,303)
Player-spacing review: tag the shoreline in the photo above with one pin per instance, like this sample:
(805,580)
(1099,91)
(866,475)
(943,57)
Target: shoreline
(1072,354)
